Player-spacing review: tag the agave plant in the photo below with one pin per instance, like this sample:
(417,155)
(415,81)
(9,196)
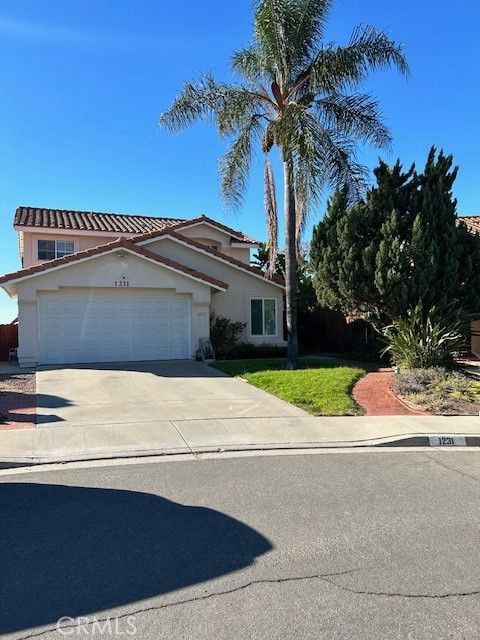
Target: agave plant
(425,339)
(301,96)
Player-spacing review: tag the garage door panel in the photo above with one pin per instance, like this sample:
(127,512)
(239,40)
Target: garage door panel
(109,328)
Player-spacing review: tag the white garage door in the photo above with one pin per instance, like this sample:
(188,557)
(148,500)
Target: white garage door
(112,327)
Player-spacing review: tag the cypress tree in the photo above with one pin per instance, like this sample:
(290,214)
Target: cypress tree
(435,248)
(398,247)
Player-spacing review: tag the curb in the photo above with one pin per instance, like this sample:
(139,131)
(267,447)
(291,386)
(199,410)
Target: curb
(439,441)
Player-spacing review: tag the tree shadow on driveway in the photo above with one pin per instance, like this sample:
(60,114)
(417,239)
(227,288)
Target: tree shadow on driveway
(12,403)
(73,551)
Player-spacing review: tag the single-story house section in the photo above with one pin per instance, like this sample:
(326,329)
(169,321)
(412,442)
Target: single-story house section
(99,287)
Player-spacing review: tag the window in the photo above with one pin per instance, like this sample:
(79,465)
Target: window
(51,249)
(263,316)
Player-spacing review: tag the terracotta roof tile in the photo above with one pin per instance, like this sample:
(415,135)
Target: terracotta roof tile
(89,220)
(471,222)
(111,222)
(104,248)
(198,245)
(238,235)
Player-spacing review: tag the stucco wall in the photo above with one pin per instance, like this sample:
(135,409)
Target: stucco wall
(208,235)
(86,240)
(81,242)
(242,287)
(103,272)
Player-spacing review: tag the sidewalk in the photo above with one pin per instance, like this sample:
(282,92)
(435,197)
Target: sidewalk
(102,441)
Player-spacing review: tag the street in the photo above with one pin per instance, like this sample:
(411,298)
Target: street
(354,545)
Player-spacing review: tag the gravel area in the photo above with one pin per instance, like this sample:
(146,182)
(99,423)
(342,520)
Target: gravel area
(17,401)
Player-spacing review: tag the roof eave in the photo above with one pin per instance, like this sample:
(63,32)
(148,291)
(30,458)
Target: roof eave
(190,242)
(9,284)
(244,245)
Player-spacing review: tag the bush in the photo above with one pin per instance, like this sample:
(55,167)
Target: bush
(225,334)
(420,380)
(249,351)
(438,390)
(374,355)
(424,340)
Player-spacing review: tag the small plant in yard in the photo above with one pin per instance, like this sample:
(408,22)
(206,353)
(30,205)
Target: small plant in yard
(438,390)
(422,340)
(225,334)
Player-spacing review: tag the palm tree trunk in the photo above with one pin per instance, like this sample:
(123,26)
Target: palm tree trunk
(291,294)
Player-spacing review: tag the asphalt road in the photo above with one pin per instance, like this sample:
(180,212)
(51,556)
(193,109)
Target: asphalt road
(336,546)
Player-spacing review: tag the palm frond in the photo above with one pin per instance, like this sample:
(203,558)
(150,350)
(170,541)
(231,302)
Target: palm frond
(236,105)
(198,100)
(341,167)
(271,27)
(327,157)
(271,215)
(373,50)
(335,68)
(206,99)
(298,132)
(303,201)
(308,18)
(288,32)
(356,115)
(250,64)
(235,164)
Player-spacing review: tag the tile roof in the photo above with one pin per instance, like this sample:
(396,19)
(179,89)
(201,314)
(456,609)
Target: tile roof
(471,222)
(111,222)
(238,235)
(105,248)
(89,220)
(214,252)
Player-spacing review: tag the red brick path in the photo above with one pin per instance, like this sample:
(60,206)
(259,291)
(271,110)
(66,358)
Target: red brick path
(18,401)
(374,394)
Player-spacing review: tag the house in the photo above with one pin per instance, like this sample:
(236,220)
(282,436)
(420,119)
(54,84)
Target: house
(472,224)
(104,287)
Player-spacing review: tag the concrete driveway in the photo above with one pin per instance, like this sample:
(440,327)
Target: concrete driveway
(172,406)
(121,410)
(122,393)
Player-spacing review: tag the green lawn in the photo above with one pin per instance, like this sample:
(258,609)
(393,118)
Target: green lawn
(321,387)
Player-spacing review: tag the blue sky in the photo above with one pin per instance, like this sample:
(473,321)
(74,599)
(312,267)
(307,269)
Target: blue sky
(82,85)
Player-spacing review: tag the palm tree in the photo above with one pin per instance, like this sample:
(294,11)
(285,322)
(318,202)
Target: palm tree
(300,96)
(261,259)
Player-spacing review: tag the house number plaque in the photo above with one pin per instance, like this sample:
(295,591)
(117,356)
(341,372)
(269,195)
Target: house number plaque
(123,282)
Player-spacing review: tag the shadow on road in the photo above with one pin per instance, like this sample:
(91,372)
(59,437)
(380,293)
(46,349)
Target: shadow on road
(74,551)
(11,403)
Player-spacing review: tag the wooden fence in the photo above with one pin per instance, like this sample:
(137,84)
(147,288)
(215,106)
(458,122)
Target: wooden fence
(8,339)
(329,331)
(475,336)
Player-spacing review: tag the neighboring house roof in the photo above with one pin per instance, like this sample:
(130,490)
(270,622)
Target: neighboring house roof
(80,256)
(89,220)
(471,222)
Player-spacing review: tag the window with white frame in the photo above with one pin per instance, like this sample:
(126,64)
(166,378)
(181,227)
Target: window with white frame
(51,249)
(263,316)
